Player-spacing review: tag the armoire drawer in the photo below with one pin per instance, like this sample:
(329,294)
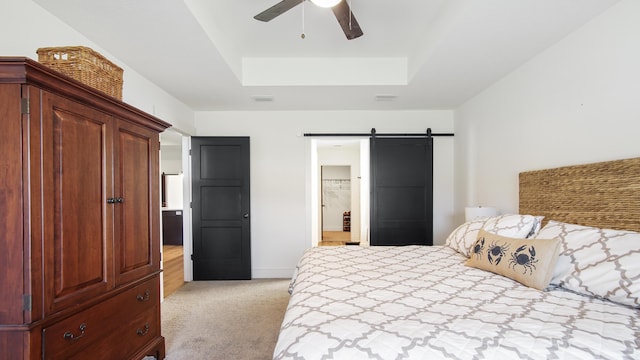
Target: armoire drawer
(105,320)
(124,341)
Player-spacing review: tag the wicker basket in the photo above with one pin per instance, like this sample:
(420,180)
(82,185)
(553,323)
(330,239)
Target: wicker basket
(85,65)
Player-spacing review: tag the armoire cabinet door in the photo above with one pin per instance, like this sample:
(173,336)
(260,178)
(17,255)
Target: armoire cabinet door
(76,181)
(138,213)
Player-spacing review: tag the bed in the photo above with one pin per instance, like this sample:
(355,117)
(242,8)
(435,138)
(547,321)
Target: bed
(561,279)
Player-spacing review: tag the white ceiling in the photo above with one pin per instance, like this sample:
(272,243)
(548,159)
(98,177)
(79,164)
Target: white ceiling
(429,54)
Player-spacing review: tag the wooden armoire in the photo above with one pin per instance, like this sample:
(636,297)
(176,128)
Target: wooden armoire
(79,220)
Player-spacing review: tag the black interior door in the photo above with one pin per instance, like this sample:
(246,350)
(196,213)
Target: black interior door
(402,191)
(221,223)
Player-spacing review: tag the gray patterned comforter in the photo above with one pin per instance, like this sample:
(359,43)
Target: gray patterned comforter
(418,302)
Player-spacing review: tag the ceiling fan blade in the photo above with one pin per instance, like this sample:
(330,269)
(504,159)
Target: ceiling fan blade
(277,9)
(347,20)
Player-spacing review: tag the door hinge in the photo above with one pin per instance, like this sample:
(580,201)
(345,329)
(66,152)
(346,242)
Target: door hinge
(189,152)
(24,106)
(191,257)
(26,302)
(190,205)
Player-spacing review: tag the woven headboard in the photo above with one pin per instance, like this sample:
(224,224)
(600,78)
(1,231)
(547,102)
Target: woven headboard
(605,194)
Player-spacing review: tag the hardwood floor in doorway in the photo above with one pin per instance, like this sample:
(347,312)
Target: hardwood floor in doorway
(173,268)
(335,238)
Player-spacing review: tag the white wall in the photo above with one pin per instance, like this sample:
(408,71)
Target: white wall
(280,207)
(171,162)
(577,102)
(25,27)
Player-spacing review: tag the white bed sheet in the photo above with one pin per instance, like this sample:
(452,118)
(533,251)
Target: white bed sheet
(419,302)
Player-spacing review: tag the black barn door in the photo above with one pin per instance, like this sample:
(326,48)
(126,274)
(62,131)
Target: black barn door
(221,225)
(402,191)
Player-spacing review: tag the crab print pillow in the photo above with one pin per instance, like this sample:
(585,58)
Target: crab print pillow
(529,262)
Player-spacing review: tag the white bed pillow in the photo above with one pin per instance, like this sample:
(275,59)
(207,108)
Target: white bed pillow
(597,262)
(511,225)
(464,236)
(514,225)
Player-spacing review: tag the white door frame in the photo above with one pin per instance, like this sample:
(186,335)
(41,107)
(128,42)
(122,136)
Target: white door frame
(360,192)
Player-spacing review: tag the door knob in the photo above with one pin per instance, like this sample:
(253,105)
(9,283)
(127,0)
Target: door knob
(245,215)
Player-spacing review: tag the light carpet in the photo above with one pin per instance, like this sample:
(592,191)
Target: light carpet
(220,320)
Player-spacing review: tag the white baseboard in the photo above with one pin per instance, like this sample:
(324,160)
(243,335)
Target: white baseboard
(272,273)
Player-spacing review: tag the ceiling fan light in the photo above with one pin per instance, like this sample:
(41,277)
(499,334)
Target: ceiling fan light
(326,3)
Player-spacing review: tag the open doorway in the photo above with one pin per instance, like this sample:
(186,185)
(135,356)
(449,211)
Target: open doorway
(172,211)
(345,164)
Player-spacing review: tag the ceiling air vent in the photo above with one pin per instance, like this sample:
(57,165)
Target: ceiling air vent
(385,97)
(262,98)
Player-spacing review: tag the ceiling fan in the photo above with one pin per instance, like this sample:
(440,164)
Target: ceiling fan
(340,8)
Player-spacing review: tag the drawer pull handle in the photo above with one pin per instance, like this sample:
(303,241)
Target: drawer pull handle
(144,297)
(73,338)
(143,332)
